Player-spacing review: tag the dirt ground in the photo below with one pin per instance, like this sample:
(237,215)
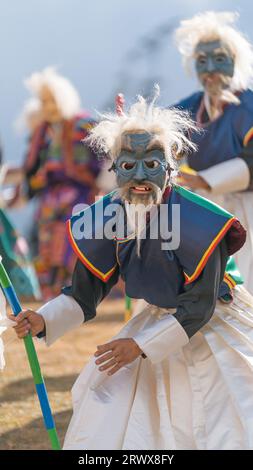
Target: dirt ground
(21,424)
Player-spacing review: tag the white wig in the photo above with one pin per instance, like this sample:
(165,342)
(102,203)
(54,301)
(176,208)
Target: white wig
(212,26)
(64,93)
(31,109)
(169,126)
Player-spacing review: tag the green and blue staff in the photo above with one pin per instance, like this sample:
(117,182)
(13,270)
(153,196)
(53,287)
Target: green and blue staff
(12,298)
(128,308)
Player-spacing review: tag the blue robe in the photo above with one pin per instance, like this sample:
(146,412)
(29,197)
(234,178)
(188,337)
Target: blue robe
(227,137)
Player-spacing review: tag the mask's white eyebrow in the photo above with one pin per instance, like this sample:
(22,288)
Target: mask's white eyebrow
(154,147)
(155,144)
(198,54)
(220,50)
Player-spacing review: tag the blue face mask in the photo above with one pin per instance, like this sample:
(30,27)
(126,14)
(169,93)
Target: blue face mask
(141,161)
(213,57)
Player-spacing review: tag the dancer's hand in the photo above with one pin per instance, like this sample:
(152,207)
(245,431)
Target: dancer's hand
(117,354)
(28,321)
(192,181)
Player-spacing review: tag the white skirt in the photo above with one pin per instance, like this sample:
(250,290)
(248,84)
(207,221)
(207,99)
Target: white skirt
(241,205)
(198,398)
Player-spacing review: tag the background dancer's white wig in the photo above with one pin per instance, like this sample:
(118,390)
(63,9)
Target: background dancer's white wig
(65,94)
(170,127)
(212,26)
(29,116)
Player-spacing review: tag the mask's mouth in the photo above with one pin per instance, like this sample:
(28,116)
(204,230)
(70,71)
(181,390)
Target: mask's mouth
(215,80)
(140,189)
(146,193)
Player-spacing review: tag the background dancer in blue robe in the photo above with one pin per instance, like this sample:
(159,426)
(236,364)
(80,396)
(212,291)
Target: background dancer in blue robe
(223,161)
(165,380)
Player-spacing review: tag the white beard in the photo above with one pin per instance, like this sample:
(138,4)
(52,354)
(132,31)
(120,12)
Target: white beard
(229,97)
(219,94)
(155,197)
(137,207)
(137,220)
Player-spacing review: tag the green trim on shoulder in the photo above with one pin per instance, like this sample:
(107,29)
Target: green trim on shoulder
(202,201)
(233,271)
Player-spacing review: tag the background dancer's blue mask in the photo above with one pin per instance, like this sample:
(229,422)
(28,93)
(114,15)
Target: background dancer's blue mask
(214,57)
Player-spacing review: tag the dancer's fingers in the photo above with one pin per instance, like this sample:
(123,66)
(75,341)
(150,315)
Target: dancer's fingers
(109,364)
(21,325)
(24,314)
(101,349)
(22,332)
(115,368)
(105,357)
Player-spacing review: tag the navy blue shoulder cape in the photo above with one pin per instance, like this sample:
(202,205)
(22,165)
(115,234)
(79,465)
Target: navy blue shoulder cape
(203,226)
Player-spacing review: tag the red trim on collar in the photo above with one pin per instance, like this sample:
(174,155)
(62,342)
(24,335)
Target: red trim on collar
(166,193)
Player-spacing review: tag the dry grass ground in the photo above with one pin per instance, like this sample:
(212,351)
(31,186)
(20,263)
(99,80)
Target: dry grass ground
(21,424)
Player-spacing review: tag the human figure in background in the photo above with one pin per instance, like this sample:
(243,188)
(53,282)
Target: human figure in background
(27,122)
(14,249)
(222,166)
(60,172)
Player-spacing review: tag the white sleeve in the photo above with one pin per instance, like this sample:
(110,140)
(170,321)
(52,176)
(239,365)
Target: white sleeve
(227,177)
(162,338)
(61,315)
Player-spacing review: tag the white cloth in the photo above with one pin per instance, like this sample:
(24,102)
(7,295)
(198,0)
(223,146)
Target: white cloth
(162,337)
(230,176)
(61,315)
(241,205)
(198,397)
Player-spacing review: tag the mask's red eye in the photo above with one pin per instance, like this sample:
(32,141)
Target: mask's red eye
(127,165)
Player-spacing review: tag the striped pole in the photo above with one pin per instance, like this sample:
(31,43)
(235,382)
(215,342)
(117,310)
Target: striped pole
(11,296)
(128,308)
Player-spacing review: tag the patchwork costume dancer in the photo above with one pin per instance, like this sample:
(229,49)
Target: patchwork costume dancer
(189,385)
(60,171)
(15,255)
(14,249)
(224,112)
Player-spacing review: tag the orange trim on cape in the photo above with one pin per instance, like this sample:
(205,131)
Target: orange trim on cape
(248,136)
(208,252)
(229,281)
(103,276)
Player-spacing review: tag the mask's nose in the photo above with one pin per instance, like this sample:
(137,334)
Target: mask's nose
(140,173)
(210,67)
